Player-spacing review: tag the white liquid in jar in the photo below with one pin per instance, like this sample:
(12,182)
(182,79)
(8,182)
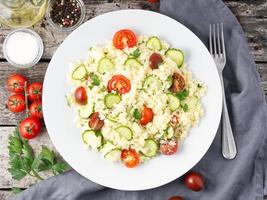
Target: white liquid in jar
(22,48)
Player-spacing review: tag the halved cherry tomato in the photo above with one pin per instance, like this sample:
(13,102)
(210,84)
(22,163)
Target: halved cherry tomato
(146,116)
(155,60)
(120,84)
(95,123)
(194,181)
(168,147)
(130,158)
(124,38)
(178,83)
(176,198)
(80,95)
(34,91)
(16,83)
(30,127)
(36,109)
(16,103)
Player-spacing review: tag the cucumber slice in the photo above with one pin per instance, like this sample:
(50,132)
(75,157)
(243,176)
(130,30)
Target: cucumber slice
(151,148)
(154,43)
(152,83)
(79,73)
(111,99)
(89,137)
(112,119)
(107,147)
(191,102)
(105,65)
(85,111)
(124,132)
(169,133)
(132,63)
(113,155)
(176,56)
(173,101)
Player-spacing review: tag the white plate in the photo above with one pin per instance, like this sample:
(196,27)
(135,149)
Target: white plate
(59,118)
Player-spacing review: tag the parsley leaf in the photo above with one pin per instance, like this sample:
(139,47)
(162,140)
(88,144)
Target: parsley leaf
(95,79)
(136,53)
(136,114)
(185,107)
(182,95)
(22,160)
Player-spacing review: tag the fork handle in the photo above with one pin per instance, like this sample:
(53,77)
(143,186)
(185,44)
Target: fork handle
(228,141)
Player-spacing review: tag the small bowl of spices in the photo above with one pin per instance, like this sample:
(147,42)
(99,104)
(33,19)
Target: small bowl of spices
(23,48)
(65,15)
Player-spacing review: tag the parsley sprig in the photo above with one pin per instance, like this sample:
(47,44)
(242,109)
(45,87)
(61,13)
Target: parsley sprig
(23,162)
(136,53)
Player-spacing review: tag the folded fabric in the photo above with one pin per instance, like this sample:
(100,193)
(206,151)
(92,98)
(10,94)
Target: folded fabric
(241,178)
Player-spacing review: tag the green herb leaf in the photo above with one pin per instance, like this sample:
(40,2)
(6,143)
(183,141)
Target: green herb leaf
(95,79)
(185,107)
(136,53)
(182,95)
(16,190)
(49,155)
(60,167)
(17,173)
(136,114)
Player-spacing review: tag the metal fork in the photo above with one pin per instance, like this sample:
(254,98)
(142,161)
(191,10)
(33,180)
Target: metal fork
(217,51)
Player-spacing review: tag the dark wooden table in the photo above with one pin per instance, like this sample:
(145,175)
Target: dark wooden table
(252,14)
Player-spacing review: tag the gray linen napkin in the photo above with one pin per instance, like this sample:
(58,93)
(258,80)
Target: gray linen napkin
(241,178)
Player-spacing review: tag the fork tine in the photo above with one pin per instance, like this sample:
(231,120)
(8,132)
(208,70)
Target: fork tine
(219,41)
(223,45)
(214,40)
(210,39)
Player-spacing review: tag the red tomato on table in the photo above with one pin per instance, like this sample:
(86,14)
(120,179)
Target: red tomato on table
(30,127)
(16,83)
(130,158)
(36,109)
(194,181)
(34,91)
(16,103)
(124,38)
(176,198)
(120,84)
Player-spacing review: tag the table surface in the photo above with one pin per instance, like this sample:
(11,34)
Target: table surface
(251,14)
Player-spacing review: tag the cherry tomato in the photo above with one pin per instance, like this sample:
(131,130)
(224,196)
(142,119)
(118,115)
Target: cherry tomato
(16,103)
(95,122)
(120,84)
(124,38)
(154,60)
(34,91)
(36,109)
(16,83)
(146,116)
(168,147)
(153,1)
(80,95)
(176,198)
(130,158)
(194,181)
(30,127)
(178,83)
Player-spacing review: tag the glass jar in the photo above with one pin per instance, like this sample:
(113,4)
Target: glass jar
(22,13)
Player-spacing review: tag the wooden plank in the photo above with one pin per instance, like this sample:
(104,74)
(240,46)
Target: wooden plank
(6,180)
(37,74)
(6,194)
(256,34)
(248,7)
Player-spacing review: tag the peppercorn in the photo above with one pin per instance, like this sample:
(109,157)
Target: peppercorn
(65,13)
